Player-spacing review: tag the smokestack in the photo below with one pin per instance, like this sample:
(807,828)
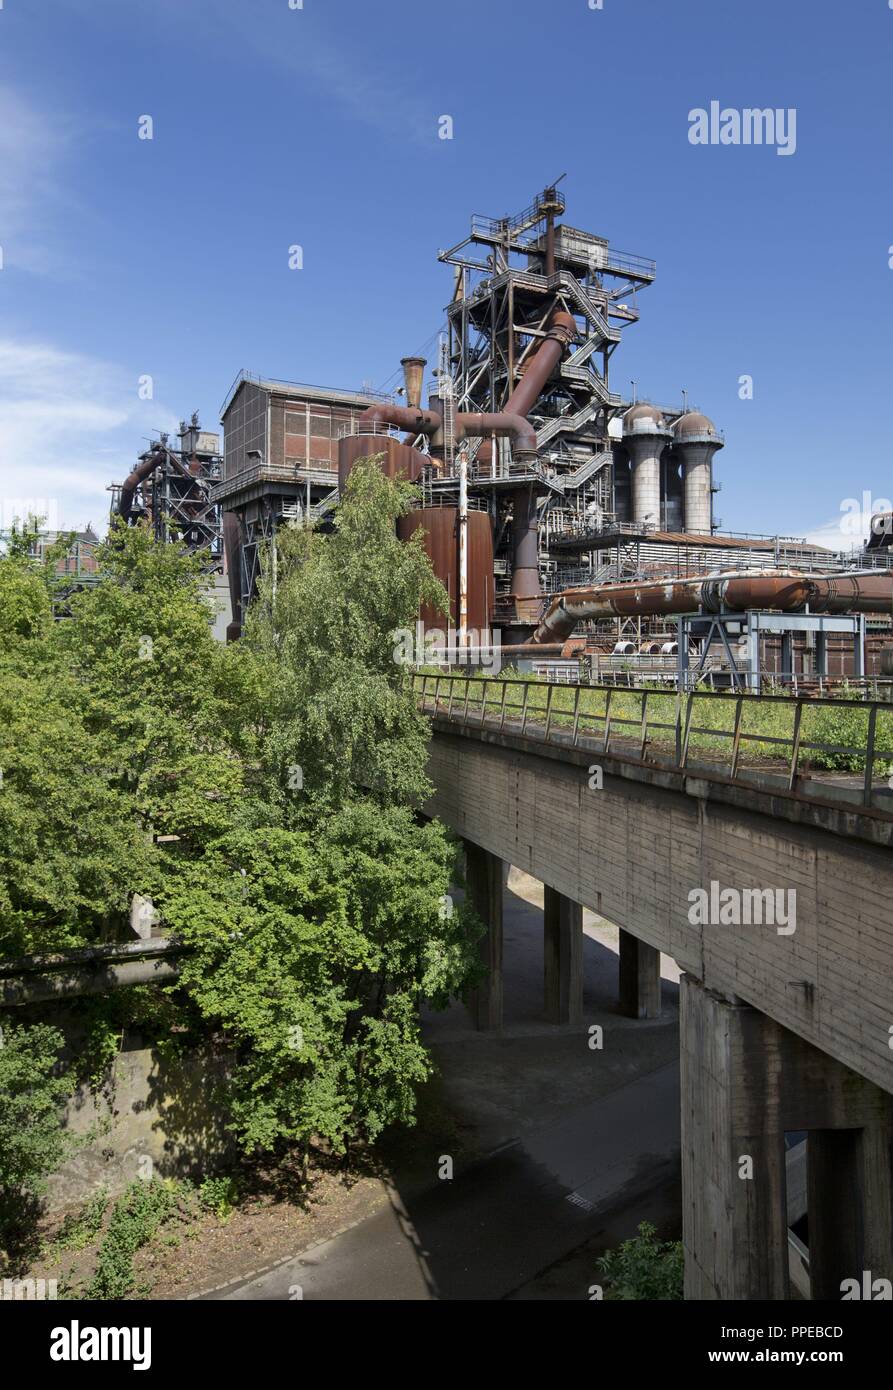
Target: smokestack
(645,436)
(413,374)
(696,443)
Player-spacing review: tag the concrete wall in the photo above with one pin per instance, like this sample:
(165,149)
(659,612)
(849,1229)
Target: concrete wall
(745,1083)
(154,1115)
(633,851)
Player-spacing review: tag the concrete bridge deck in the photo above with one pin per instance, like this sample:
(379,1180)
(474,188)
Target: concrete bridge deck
(786,1024)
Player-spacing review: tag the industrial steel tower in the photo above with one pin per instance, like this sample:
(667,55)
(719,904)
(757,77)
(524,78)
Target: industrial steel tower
(520,281)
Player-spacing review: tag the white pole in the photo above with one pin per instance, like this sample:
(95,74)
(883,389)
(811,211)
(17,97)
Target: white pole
(463,545)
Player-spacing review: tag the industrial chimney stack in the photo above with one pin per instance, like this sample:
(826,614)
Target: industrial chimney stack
(645,436)
(413,374)
(697,440)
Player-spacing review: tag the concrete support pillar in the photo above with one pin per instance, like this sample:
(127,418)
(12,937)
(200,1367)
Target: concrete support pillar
(484,878)
(746,1082)
(850,1207)
(639,977)
(734,1217)
(562,958)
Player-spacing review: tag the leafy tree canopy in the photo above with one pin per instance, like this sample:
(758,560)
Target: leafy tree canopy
(264,795)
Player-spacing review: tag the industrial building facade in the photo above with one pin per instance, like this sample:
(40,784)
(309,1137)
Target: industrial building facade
(280,464)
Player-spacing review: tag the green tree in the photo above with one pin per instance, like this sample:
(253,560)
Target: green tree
(69,842)
(319,923)
(337,706)
(163,699)
(32,1095)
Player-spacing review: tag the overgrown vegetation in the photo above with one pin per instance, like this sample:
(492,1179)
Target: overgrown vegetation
(262,796)
(135,1218)
(644,1268)
(219,1195)
(33,1142)
(81,1227)
(832,737)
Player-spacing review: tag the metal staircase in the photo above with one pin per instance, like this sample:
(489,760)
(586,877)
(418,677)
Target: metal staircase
(586,470)
(562,424)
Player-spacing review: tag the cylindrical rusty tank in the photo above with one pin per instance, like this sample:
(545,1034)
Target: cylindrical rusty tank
(400,461)
(441,541)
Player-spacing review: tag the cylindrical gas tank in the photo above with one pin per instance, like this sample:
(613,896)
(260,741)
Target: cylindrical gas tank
(400,461)
(441,542)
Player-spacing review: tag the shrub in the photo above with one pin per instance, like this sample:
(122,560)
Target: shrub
(135,1218)
(644,1268)
(33,1141)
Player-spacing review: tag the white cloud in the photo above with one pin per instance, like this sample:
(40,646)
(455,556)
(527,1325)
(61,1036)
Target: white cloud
(846,532)
(32,144)
(69,425)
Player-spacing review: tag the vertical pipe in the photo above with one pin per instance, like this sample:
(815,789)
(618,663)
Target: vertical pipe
(463,545)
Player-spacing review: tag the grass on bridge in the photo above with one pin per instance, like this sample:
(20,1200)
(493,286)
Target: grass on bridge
(832,735)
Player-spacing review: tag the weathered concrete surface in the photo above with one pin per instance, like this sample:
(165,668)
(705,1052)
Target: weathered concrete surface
(633,851)
(562,958)
(640,993)
(153,1116)
(484,875)
(746,1082)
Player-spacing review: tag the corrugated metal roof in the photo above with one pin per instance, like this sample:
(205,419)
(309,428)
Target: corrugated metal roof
(736,542)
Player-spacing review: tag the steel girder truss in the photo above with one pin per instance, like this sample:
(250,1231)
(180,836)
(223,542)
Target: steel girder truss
(258,536)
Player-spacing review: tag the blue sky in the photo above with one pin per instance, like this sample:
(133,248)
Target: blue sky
(319,126)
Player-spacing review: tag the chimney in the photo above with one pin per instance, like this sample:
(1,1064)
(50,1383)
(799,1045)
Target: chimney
(413,373)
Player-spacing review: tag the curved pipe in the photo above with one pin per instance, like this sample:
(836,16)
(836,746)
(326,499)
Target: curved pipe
(561,333)
(512,420)
(468,425)
(787,591)
(519,430)
(147,464)
(405,417)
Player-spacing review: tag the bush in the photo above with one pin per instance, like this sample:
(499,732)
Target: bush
(33,1141)
(135,1218)
(643,1268)
(219,1195)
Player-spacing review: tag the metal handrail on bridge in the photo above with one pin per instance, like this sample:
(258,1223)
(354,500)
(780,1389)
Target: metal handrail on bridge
(595,717)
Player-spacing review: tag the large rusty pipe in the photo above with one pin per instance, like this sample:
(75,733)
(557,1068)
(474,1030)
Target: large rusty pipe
(561,332)
(147,464)
(525,546)
(787,591)
(472,425)
(413,378)
(468,425)
(861,592)
(405,417)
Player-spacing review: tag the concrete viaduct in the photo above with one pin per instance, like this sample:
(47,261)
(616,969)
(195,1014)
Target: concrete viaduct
(781,1030)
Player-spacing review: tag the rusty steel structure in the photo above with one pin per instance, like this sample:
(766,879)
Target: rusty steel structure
(786,592)
(554,510)
(578,483)
(170,489)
